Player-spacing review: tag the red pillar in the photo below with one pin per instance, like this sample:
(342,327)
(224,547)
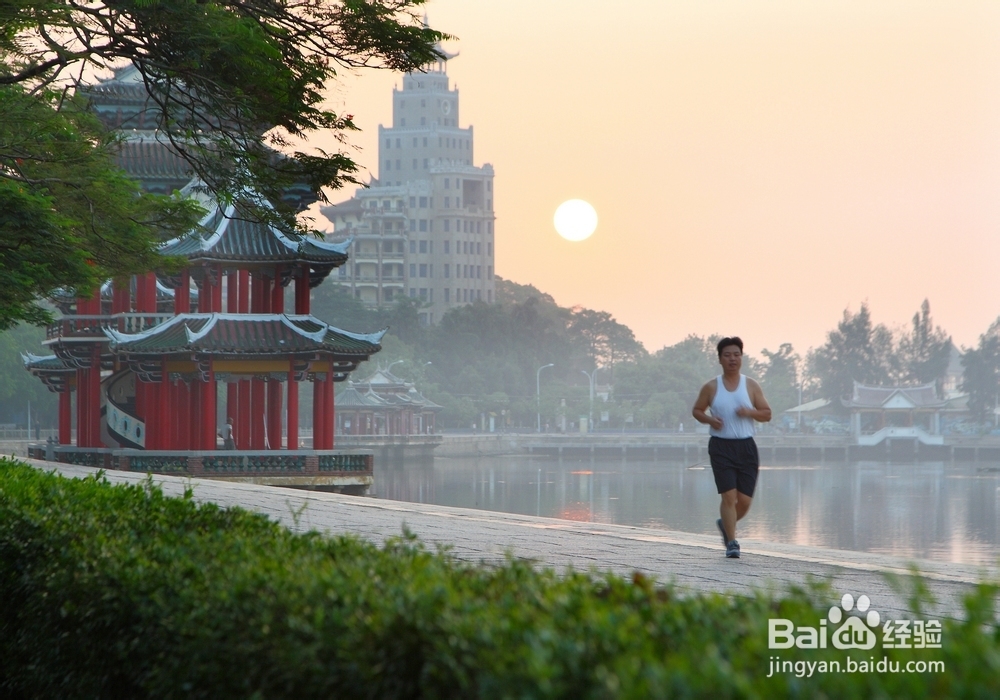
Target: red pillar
(318,414)
(208,411)
(274,414)
(302,291)
(164,419)
(243,291)
(183,404)
(65,417)
(182,295)
(293,409)
(257,415)
(149,283)
(205,296)
(194,414)
(331,412)
(120,296)
(277,293)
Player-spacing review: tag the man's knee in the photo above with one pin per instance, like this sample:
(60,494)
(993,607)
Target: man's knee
(743,501)
(730,497)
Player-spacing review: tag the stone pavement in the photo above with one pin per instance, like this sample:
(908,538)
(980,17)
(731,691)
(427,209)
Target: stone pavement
(693,562)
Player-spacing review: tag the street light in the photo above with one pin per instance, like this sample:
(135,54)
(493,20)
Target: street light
(538,394)
(590,418)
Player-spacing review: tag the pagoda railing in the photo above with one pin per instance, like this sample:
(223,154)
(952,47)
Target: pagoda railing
(83,326)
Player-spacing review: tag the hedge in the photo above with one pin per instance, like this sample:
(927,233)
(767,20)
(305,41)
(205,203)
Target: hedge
(121,592)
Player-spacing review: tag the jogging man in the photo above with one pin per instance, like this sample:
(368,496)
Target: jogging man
(735,402)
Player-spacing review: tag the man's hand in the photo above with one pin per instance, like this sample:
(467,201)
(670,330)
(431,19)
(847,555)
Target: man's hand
(715,422)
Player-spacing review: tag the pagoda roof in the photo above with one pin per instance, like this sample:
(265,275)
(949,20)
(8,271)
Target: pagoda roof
(905,397)
(352,398)
(53,372)
(230,237)
(245,334)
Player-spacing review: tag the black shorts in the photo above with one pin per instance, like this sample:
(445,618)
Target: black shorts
(735,464)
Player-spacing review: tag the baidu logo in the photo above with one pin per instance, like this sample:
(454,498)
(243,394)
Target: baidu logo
(851,625)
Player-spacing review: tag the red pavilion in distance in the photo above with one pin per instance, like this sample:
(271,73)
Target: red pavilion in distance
(150,368)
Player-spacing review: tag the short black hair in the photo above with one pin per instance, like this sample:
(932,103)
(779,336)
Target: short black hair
(726,342)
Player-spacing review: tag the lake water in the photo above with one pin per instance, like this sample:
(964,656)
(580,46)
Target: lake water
(929,510)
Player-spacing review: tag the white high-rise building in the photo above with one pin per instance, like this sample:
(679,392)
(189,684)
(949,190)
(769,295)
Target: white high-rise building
(424,227)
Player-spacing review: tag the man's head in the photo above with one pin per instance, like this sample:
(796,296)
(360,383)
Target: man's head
(730,353)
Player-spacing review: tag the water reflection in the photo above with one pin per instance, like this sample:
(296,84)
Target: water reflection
(932,510)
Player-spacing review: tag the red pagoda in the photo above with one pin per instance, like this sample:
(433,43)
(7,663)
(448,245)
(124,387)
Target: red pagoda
(140,367)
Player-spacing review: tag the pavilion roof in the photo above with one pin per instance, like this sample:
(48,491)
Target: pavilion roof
(352,398)
(899,397)
(53,372)
(245,334)
(230,237)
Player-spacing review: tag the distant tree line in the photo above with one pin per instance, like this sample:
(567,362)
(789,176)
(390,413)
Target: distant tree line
(484,359)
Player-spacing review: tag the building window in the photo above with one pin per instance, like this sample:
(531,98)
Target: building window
(489,227)
(388,143)
(425,142)
(414,141)
(387,205)
(479,248)
(413,246)
(397,164)
(447,229)
(430,270)
(447,202)
(423,202)
(447,270)
(430,244)
(479,227)
(423,225)
(413,224)
(447,292)
(414,163)
(397,143)
(479,294)
(423,103)
(413,201)
(402,122)
(489,250)
(388,165)
(413,269)
(387,294)
(489,272)
(423,246)
(465,247)
(447,244)
(489,185)
(447,183)
(489,205)
(423,293)
(489,296)
(430,298)
(425,164)
(423,269)
(413,292)
(479,272)
(458,202)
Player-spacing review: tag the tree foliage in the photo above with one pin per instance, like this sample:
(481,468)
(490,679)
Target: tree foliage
(981,379)
(230,84)
(780,377)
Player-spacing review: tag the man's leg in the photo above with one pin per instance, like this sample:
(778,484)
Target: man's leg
(729,512)
(743,502)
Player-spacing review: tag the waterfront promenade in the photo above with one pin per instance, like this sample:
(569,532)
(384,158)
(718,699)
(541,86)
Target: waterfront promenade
(694,562)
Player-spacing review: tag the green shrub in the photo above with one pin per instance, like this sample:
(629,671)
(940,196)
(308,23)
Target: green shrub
(120,592)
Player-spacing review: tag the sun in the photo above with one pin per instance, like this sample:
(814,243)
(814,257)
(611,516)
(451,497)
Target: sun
(575,220)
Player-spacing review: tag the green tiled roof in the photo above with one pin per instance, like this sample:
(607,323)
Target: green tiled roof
(245,334)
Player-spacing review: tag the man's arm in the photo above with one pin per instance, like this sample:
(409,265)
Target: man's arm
(761,411)
(701,405)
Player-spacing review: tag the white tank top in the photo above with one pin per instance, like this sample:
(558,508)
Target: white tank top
(724,406)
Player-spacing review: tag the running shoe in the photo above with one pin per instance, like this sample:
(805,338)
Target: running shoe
(725,540)
(733,550)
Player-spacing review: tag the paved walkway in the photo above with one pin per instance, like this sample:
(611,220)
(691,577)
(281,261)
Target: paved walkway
(694,562)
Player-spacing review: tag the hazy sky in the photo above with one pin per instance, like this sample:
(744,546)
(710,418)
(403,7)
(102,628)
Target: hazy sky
(757,166)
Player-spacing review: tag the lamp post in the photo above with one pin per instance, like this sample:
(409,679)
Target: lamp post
(590,417)
(538,394)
